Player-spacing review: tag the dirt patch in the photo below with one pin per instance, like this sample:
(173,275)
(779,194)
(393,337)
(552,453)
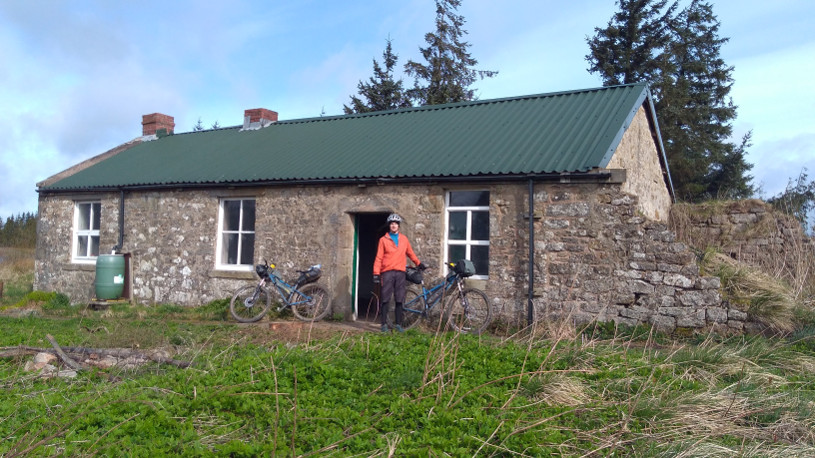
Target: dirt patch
(299,331)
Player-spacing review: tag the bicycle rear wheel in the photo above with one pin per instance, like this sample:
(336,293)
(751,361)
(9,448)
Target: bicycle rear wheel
(250,303)
(468,312)
(314,309)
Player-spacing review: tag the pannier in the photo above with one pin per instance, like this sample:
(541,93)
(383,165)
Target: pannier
(413,275)
(465,268)
(311,275)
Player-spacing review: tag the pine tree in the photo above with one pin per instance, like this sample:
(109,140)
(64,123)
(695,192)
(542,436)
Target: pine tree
(449,69)
(629,50)
(381,91)
(678,55)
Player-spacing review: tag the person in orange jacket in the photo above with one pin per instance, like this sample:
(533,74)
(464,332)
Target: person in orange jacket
(389,270)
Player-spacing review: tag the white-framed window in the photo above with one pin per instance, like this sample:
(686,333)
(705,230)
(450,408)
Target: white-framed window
(87,219)
(236,234)
(468,229)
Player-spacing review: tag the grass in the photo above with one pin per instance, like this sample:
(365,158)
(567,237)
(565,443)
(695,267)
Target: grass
(548,390)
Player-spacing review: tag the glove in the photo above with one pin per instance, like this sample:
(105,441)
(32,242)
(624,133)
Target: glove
(376,279)
(421,266)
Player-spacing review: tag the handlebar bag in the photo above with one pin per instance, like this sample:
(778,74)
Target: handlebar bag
(465,268)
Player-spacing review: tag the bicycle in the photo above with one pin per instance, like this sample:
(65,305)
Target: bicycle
(467,310)
(308,300)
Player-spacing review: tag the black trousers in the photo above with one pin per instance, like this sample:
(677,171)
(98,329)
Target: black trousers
(393,284)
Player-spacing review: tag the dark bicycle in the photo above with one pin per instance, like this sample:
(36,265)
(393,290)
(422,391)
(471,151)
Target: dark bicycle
(308,300)
(466,310)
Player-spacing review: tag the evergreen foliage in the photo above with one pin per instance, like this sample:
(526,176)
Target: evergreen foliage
(381,91)
(677,53)
(798,200)
(19,231)
(448,71)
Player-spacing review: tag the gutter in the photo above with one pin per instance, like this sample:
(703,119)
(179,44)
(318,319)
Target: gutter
(593,176)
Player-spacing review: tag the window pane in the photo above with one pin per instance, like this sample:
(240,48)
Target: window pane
(458,226)
(96,210)
(81,246)
(457,252)
(229,255)
(247,248)
(480,255)
(232,215)
(469,198)
(94,245)
(248,215)
(83,217)
(481,226)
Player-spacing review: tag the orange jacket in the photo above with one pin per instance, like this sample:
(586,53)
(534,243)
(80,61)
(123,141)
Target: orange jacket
(392,257)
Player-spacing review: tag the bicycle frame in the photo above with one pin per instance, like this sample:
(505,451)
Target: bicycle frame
(429,298)
(284,290)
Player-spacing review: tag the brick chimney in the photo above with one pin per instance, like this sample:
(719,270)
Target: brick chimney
(257,118)
(157,124)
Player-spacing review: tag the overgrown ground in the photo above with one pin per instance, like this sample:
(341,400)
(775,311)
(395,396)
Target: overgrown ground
(297,390)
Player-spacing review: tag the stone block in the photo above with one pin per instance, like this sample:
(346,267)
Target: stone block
(677,280)
(662,323)
(716,315)
(738,315)
(691,319)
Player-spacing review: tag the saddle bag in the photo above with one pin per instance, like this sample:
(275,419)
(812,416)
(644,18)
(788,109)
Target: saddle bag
(465,268)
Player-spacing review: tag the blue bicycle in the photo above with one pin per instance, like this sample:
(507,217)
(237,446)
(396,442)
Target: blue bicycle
(308,300)
(466,310)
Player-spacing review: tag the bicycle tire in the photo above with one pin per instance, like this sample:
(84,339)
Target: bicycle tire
(315,309)
(246,310)
(476,317)
(409,318)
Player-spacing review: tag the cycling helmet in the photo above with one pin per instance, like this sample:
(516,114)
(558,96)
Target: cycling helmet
(394,218)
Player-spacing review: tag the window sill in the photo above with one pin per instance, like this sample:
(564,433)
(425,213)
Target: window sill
(83,266)
(233,274)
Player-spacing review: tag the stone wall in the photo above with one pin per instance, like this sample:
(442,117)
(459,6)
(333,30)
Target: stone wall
(595,255)
(751,232)
(637,154)
(598,258)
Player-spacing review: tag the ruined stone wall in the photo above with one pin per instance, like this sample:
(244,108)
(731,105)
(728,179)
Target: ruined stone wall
(595,255)
(749,231)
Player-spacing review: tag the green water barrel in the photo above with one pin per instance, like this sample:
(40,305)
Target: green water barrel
(110,276)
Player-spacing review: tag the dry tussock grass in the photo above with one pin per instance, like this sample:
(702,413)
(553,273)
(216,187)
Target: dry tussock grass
(766,299)
(16,264)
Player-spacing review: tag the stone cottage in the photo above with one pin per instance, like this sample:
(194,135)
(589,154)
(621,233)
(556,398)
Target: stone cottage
(559,199)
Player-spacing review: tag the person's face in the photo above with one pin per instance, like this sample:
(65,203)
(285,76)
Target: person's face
(394,227)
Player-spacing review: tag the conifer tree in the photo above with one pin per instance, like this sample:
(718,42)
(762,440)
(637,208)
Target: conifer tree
(381,91)
(448,71)
(678,55)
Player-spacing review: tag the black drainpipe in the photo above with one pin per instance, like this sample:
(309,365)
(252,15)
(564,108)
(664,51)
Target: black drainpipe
(531,251)
(118,248)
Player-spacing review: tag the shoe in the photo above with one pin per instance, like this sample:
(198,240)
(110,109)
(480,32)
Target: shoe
(384,328)
(399,328)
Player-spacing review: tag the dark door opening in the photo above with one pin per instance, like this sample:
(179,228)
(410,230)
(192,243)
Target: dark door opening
(370,227)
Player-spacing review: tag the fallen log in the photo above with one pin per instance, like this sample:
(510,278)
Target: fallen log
(65,358)
(83,352)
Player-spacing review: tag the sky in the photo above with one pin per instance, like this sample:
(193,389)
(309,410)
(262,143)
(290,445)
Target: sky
(77,76)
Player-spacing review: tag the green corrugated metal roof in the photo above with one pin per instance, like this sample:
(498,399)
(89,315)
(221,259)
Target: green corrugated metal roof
(572,131)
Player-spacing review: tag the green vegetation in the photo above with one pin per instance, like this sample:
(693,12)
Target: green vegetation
(546,391)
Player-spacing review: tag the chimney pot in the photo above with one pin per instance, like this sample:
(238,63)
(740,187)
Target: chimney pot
(256,118)
(153,123)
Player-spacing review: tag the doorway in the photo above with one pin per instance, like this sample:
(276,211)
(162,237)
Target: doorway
(369,227)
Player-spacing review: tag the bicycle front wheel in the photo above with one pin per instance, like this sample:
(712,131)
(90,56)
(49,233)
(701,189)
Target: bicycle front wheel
(250,303)
(313,309)
(469,311)
(411,313)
